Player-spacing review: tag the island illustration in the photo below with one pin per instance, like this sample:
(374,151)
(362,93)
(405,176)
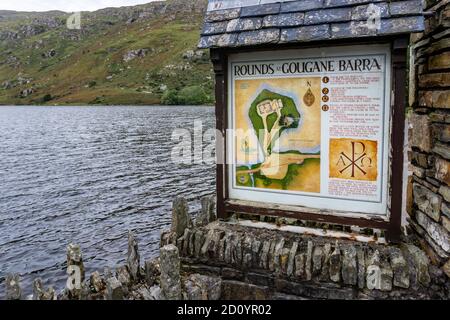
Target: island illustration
(280,146)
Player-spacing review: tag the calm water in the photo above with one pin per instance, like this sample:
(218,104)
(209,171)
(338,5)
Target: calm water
(88,175)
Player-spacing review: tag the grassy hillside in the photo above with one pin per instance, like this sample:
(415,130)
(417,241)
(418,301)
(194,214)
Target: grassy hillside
(132,55)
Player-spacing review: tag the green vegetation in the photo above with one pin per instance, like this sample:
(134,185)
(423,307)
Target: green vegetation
(192,95)
(97,65)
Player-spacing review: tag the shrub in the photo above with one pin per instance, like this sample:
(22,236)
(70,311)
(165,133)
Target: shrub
(193,95)
(170,97)
(47,98)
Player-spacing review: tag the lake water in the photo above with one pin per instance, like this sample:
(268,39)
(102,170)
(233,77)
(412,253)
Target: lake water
(88,175)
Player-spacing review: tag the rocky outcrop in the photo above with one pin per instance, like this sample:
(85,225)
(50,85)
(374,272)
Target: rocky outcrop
(133,54)
(26,92)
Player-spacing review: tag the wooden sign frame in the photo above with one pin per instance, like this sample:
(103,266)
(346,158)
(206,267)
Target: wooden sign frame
(390,224)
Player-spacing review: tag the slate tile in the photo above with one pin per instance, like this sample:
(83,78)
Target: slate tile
(306,33)
(284,20)
(260,10)
(263,36)
(328,15)
(303,5)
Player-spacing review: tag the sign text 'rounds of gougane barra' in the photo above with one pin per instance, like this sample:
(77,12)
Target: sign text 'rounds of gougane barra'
(311,127)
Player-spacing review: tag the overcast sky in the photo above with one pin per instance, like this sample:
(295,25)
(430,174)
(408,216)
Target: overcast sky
(65,5)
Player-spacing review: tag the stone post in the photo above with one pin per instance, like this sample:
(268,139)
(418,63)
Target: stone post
(39,293)
(75,270)
(180,216)
(208,213)
(170,273)
(13,290)
(133,259)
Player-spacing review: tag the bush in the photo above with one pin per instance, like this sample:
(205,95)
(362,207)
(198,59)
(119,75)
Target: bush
(193,95)
(170,97)
(190,96)
(47,98)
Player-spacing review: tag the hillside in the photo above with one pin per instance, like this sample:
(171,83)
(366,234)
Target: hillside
(129,55)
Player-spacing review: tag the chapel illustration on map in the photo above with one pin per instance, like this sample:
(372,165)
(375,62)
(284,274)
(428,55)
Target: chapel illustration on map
(278,140)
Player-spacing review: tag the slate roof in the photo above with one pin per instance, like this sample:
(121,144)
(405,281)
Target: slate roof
(308,20)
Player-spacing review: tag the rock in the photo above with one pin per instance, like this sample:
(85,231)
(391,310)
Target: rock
(107,273)
(317,260)
(236,251)
(373,279)
(200,287)
(49,54)
(291,262)
(168,237)
(283,260)
(308,263)
(271,256)
(26,92)
(335,265)
(427,201)
(170,273)
(208,244)
(228,248)
(75,271)
(421,263)
(123,275)
(247,251)
(180,217)
(236,290)
(75,258)
(152,272)
(133,54)
(400,268)
(264,255)
(256,247)
(114,290)
(189,54)
(349,266)
(325,273)
(155,293)
(207,213)
(13,290)
(6,85)
(446,268)
(39,293)
(198,242)
(192,291)
(186,242)
(300,261)
(277,255)
(361,267)
(421,134)
(85,291)
(97,282)
(386,277)
(435,230)
(133,258)
(444,190)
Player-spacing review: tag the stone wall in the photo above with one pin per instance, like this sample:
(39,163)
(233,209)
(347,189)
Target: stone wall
(430,135)
(270,264)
